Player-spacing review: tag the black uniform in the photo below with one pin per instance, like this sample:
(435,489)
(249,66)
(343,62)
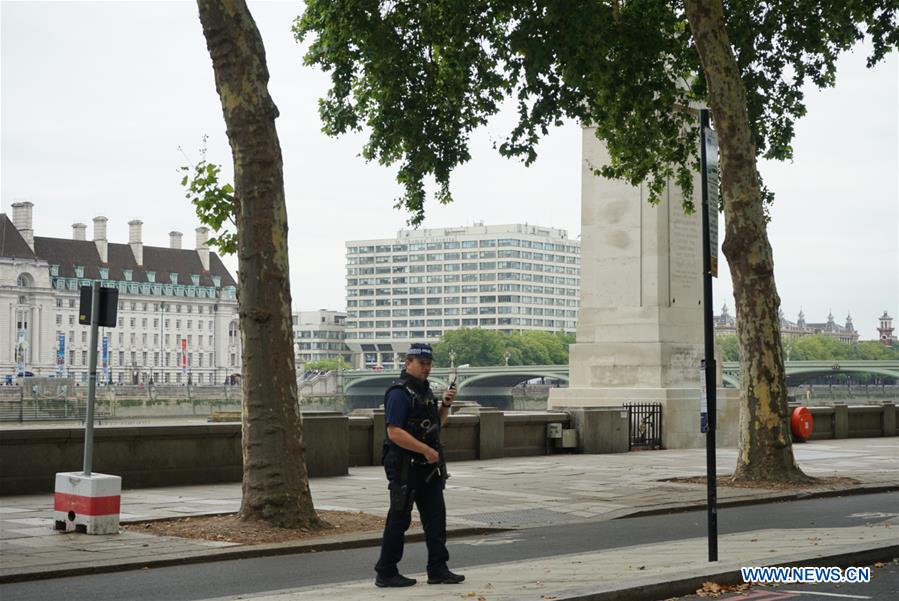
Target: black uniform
(411,479)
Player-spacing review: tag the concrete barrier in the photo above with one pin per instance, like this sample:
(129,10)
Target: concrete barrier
(169,455)
(600,429)
(524,434)
(148,456)
(843,421)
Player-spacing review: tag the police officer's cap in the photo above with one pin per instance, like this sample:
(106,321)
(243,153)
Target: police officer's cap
(420,350)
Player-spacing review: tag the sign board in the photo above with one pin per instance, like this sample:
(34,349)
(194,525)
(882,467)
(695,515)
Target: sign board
(710,174)
(703,400)
(108,310)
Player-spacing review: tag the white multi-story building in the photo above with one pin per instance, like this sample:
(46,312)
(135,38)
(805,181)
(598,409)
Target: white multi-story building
(177,310)
(319,335)
(418,285)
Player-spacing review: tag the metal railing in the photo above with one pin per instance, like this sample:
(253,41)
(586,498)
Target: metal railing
(644,425)
(44,410)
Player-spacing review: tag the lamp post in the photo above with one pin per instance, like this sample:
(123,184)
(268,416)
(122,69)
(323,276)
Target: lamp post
(506,356)
(452,356)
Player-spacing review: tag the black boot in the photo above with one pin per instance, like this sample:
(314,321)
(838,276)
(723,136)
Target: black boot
(446,577)
(392,581)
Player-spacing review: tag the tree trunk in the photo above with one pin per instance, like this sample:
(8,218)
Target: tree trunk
(275,481)
(765,444)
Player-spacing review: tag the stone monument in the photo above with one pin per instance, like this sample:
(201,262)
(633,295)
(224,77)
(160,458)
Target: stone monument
(640,320)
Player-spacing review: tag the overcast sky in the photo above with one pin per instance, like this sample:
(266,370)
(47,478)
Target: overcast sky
(97,98)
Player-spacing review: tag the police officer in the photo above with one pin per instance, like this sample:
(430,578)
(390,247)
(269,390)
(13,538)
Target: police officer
(416,472)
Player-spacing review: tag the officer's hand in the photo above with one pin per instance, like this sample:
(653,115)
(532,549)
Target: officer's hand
(431,455)
(449,396)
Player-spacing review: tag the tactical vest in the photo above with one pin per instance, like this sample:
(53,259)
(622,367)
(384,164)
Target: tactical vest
(423,415)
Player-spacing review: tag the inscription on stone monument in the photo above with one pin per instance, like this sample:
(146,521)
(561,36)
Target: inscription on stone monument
(684,258)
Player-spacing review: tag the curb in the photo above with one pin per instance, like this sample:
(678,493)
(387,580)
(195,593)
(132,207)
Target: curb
(290,548)
(243,552)
(798,496)
(654,588)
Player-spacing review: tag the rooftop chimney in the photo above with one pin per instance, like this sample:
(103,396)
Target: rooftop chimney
(202,247)
(100,238)
(78,231)
(137,247)
(175,239)
(21,218)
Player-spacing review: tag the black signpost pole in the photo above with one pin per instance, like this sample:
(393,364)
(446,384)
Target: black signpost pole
(709,164)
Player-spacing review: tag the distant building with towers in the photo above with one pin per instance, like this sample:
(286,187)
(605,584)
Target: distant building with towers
(725,323)
(886,330)
(177,311)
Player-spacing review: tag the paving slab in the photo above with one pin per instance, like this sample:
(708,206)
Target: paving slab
(653,571)
(500,493)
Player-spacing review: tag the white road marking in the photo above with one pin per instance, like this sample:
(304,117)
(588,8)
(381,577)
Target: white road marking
(487,541)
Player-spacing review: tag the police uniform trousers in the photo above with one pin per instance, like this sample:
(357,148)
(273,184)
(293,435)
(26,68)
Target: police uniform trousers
(428,498)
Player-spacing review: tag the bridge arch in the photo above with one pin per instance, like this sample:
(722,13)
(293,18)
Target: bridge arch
(382,381)
(508,379)
(889,369)
(843,370)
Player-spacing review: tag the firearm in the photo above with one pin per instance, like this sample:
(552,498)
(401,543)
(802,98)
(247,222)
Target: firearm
(434,441)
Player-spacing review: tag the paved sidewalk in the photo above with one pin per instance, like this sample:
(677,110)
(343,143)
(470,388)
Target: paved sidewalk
(655,571)
(504,493)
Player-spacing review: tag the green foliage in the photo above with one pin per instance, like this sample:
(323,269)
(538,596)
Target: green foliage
(826,348)
(419,77)
(326,365)
(816,348)
(478,347)
(872,350)
(810,348)
(471,345)
(214,202)
(729,347)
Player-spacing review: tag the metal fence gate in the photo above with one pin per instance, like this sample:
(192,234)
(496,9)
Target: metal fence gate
(644,425)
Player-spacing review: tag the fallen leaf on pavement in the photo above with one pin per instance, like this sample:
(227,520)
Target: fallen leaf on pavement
(713,589)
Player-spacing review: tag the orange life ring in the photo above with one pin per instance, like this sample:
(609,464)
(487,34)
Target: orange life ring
(801,423)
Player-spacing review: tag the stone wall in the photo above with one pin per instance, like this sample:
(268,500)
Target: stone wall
(861,421)
(148,456)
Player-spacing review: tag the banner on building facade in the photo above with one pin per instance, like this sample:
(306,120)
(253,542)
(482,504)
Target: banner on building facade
(61,354)
(184,355)
(21,351)
(105,358)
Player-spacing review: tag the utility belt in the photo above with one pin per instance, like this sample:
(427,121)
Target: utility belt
(413,471)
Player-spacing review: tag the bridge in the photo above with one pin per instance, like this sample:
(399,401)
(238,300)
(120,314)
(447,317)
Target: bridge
(730,370)
(490,385)
(493,384)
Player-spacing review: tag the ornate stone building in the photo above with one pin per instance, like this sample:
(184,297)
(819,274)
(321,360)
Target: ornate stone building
(725,323)
(177,311)
(885,330)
